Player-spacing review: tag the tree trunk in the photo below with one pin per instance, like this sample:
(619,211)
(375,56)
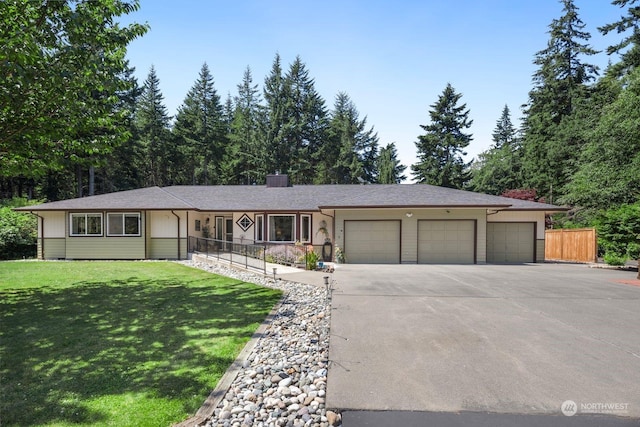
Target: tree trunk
(92,180)
(79,179)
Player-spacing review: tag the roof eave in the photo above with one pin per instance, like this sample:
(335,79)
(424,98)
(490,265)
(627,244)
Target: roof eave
(416,207)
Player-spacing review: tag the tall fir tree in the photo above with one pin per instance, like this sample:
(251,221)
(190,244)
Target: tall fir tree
(245,161)
(123,167)
(550,149)
(152,127)
(441,148)
(390,170)
(305,124)
(274,120)
(499,168)
(629,46)
(351,149)
(199,131)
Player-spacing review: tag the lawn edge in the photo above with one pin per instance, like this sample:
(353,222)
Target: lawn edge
(207,409)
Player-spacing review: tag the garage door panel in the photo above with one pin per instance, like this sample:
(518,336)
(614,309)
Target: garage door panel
(372,242)
(510,242)
(446,242)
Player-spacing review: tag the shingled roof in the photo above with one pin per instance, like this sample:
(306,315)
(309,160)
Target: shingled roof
(235,198)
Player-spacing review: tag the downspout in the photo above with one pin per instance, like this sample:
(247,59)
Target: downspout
(42,238)
(333,232)
(177,216)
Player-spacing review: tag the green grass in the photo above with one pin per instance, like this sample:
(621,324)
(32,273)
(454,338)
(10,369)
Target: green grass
(117,343)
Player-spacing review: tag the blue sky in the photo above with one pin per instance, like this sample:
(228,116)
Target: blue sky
(392,58)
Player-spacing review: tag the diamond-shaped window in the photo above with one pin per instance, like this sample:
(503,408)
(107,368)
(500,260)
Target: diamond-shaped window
(244,222)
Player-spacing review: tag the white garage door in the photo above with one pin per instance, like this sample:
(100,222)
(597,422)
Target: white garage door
(372,242)
(510,242)
(446,242)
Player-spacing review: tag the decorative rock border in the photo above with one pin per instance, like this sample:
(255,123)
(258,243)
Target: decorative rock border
(280,378)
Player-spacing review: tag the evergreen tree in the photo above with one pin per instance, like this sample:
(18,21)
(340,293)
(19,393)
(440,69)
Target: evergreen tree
(152,127)
(245,161)
(272,130)
(498,169)
(390,170)
(123,168)
(560,85)
(629,46)
(351,150)
(200,131)
(440,149)
(305,125)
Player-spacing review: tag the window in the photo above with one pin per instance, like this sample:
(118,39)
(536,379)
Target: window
(305,228)
(86,224)
(282,228)
(259,237)
(198,225)
(123,224)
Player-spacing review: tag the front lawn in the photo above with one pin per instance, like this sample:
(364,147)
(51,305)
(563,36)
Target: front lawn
(117,343)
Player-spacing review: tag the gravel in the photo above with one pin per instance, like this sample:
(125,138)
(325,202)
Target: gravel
(283,381)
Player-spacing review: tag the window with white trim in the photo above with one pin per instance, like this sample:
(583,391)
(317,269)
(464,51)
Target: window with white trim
(123,224)
(305,228)
(259,228)
(282,228)
(85,224)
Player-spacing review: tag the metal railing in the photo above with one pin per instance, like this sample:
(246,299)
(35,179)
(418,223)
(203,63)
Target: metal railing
(246,254)
(256,255)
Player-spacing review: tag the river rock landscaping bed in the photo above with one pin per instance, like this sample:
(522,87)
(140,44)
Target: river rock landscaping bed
(283,380)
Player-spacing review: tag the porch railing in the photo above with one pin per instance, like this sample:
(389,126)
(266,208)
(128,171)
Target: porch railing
(256,255)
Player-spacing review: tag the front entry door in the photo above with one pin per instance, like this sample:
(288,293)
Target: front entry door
(224,230)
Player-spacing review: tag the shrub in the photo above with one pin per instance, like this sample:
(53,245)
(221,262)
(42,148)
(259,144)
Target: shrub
(614,259)
(633,250)
(312,259)
(285,254)
(18,231)
(619,231)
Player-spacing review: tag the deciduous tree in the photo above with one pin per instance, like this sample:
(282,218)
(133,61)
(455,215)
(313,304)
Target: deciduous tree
(60,72)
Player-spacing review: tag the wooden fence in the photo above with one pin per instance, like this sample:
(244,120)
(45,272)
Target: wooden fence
(576,245)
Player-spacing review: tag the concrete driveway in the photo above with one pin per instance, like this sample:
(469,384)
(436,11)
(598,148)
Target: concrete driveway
(519,339)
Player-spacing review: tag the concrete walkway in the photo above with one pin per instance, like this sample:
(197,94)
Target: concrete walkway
(485,339)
